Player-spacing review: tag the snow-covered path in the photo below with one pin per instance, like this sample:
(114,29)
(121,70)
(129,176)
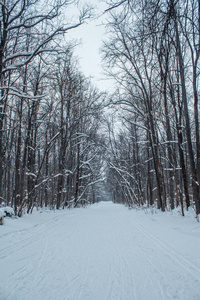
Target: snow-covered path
(103,252)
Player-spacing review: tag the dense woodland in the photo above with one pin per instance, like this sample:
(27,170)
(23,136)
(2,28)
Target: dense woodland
(50,113)
(153,53)
(59,146)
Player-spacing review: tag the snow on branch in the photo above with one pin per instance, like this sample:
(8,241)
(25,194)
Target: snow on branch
(85,189)
(15,92)
(40,17)
(31,174)
(38,49)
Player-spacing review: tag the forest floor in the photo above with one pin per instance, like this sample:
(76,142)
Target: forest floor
(103,252)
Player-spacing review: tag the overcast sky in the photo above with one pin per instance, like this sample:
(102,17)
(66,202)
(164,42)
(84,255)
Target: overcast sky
(91,35)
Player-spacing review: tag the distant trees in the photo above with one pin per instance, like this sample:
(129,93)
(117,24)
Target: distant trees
(153,53)
(52,151)
(79,109)
(49,113)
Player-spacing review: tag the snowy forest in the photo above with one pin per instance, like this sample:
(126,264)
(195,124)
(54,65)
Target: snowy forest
(64,143)
(100,187)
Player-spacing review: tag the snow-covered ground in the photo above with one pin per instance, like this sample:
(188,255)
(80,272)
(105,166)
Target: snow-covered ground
(103,252)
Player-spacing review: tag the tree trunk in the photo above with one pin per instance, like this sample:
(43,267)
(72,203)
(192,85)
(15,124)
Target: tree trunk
(195,186)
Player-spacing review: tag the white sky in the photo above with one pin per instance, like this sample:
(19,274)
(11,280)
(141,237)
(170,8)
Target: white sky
(91,35)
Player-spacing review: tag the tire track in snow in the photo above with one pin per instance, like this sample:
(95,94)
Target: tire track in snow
(41,232)
(186,264)
(134,263)
(99,253)
(174,260)
(125,271)
(30,239)
(34,233)
(39,266)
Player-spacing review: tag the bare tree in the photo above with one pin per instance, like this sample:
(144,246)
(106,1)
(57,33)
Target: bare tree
(152,52)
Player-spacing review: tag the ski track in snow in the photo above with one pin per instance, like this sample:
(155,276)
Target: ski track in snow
(103,252)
